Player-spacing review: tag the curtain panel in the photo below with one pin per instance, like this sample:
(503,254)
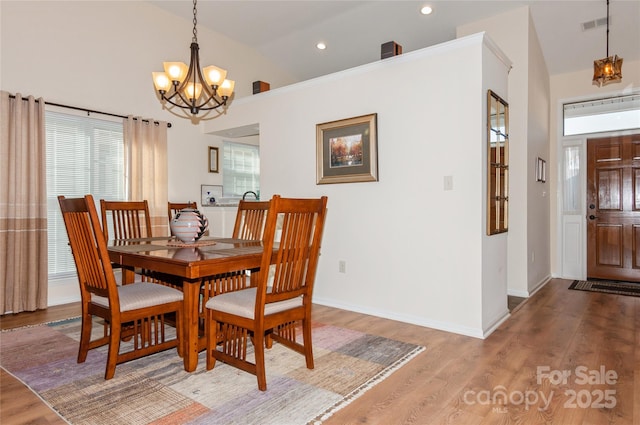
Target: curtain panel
(145,156)
(23,204)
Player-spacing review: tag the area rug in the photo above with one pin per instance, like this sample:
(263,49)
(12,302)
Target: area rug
(156,389)
(608,287)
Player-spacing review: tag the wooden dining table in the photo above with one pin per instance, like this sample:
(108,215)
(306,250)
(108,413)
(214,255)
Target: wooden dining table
(187,264)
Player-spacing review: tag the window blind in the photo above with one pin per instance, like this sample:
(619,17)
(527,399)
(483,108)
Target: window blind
(240,168)
(84,155)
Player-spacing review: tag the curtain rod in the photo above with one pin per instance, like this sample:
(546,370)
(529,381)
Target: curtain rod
(88,111)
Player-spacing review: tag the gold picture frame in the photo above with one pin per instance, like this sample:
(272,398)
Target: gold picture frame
(347,150)
(213,159)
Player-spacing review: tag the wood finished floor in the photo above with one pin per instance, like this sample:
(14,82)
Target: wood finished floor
(447,383)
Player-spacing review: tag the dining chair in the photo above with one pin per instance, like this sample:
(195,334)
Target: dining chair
(249,224)
(140,307)
(174,208)
(280,301)
(250,220)
(129,219)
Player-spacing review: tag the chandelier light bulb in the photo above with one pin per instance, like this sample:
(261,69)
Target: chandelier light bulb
(226,88)
(161,81)
(214,75)
(175,70)
(191,93)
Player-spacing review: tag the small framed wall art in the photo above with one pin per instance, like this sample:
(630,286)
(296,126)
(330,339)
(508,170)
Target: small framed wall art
(213,159)
(347,150)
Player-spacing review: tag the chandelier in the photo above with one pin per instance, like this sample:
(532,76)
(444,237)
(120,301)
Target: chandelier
(609,69)
(187,88)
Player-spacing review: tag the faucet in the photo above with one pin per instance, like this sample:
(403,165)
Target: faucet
(244,195)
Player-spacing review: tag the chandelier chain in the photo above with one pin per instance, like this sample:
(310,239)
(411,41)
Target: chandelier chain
(195,22)
(607,28)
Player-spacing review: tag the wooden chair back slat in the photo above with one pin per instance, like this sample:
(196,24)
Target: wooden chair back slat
(131,219)
(250,220)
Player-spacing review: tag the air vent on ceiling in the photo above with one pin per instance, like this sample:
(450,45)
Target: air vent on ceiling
(589,25)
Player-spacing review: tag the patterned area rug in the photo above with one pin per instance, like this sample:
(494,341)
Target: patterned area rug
(608,287)
(157,390)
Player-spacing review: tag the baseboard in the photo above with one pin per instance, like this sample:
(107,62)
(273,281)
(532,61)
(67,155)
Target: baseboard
(496,324)
(540,285)
(420,321)
(530,292)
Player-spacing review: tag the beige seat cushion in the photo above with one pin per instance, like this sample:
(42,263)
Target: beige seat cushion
(242,303)
(141,295)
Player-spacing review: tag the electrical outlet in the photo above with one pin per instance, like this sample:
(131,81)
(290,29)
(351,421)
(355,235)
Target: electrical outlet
(342,266)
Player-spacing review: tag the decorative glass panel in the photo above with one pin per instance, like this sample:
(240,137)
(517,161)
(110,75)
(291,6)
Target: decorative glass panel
(497,164)
(572,194)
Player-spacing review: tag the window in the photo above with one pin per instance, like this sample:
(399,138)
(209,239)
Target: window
(497,164)
(241,169)
(595,116)
(572,193)
(84,155)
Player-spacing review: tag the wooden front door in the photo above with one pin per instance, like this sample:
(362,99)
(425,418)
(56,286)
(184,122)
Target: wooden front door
(613,208)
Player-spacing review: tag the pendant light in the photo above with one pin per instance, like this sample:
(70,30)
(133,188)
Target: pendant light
(609,69)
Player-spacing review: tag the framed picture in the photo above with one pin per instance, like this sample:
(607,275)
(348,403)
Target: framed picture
(541,170)
(213,159)
(347,150)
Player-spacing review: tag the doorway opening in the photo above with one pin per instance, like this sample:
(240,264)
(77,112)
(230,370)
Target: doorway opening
(599,180)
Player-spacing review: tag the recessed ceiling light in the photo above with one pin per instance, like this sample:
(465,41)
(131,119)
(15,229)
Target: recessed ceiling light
(321,46)
(426,10)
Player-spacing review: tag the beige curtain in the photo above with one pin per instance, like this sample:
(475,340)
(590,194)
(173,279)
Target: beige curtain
(23,205)
(145,155)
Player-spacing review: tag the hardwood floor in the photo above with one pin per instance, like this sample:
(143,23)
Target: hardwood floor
(456,378)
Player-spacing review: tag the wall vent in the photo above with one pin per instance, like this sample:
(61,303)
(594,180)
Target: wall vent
(600,22)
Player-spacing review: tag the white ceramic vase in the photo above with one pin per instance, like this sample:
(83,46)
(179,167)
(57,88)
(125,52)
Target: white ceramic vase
(189,225)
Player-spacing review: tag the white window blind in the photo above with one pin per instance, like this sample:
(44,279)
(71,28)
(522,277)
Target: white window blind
(240,169)
(85,155)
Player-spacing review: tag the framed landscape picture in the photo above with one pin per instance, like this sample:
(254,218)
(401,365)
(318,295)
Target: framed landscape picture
(347,150)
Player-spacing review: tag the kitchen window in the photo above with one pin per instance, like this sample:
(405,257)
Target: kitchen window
(240,169)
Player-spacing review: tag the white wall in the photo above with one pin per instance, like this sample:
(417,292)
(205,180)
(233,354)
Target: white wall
(528,235)
(538,194)
(414,252)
